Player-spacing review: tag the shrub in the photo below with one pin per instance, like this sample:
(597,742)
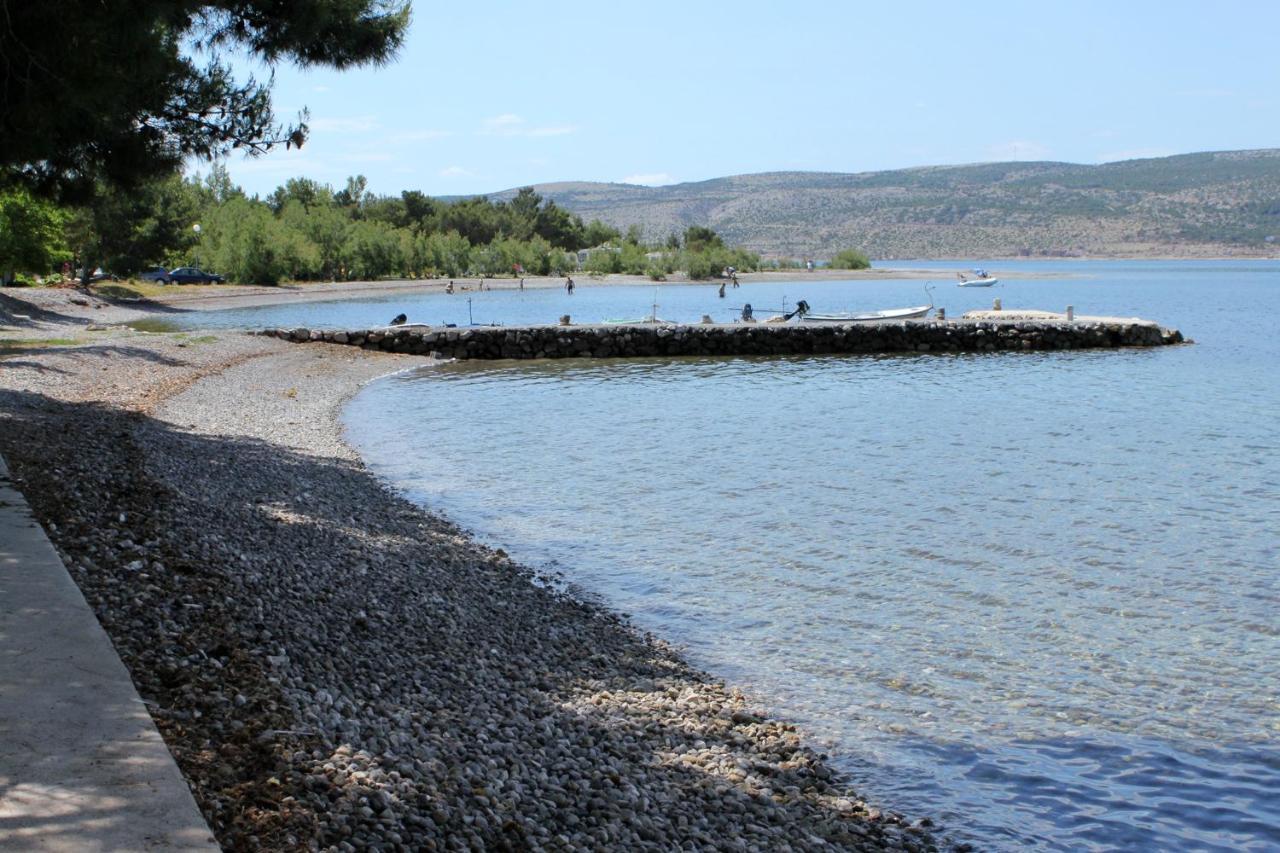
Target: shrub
(850,259)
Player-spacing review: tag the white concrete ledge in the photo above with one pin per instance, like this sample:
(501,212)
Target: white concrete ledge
(82,767)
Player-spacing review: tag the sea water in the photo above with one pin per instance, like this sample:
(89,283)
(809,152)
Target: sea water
(1032,596)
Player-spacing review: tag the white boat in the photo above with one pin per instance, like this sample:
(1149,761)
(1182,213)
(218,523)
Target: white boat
(886,315)
(981,279)
(870,317)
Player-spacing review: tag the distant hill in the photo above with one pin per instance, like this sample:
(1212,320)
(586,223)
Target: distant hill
(1209,204)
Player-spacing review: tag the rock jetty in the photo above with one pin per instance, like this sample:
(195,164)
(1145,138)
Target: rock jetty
(649,340)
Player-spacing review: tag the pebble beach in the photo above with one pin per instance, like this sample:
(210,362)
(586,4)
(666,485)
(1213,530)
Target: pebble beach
(335,668)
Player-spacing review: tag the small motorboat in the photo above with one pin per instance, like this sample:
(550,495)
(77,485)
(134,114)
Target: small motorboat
(887,315)
(981,279)
(871,317)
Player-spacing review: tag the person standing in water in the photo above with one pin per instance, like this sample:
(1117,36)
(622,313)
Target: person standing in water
(722,290)
(568,285)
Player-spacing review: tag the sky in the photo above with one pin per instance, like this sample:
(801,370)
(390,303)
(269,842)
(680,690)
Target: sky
(496,95)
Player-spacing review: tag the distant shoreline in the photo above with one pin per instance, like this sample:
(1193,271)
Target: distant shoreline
(216,297)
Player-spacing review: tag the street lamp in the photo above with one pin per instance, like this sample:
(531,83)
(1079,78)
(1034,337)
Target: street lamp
(196,228)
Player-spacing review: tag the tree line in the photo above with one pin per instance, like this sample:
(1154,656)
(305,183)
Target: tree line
(307,231)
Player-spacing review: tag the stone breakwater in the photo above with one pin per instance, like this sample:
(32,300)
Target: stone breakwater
(639,341)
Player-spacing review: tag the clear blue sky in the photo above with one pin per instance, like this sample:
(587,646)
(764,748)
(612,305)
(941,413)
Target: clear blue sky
(487,96)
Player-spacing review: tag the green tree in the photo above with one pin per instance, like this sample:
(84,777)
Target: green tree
(126,231)
(387,209)
(31,238)
(697,238)
(134,88)
(372,251)
(559,227)
(218,185)
(634,258)
(325,227)
(247,244)
(448,254)
(353,195)
(525,209)
(597,233)
(604,261)
(418,207)
(305,191)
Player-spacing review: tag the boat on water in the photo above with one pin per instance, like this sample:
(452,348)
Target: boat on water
(981,278)
(914,313)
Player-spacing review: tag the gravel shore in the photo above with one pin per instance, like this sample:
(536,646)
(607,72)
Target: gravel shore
(335,668)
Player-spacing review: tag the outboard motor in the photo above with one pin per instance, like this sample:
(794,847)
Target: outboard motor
(398,320)
(746,313)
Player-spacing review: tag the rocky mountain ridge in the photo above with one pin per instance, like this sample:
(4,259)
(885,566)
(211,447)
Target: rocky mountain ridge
(1224,203)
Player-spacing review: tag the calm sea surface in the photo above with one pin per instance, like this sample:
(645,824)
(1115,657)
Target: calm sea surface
(1033,596)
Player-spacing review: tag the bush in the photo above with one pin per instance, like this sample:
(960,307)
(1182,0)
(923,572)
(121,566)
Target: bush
(604,261)
(850,259)
(700,265)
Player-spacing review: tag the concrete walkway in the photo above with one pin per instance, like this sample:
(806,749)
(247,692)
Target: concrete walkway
(82,767)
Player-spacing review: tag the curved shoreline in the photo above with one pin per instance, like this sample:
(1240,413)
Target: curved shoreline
(332,665)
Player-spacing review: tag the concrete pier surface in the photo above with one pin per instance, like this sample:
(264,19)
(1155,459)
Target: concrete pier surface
(82,766)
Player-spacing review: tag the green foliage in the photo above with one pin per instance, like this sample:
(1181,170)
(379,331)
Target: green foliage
(598,234)
(634,258)
(700,265)
(698,238)
(247,244)
(133,230)
(712,260)
(559,227)
(134,88)
(372,251)
(782,264)
(304,191)
(306,231)
(31,238)
(604,261)
(850,259)
(447,254)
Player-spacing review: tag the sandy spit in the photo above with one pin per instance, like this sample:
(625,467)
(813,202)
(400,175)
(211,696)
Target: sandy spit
(335,668)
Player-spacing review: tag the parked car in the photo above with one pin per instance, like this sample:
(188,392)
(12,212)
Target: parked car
(159,274)
(193,275)
(97,275)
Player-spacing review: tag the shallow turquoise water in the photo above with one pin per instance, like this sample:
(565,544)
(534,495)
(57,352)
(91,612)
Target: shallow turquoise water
(1031,595)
